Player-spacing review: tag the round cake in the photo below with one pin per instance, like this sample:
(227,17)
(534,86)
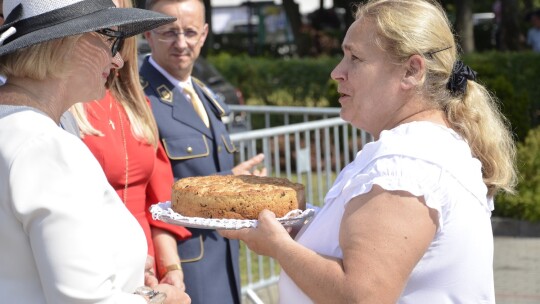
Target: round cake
(236,196)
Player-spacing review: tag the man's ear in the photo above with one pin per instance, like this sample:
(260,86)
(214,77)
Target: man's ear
(147,36)
(204,33)
(415,68)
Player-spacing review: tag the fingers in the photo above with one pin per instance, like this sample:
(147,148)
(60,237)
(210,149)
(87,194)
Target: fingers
(254,161)
(174,278)
(230,234)
(150,280)
(261,172)
(174,295)
(149,273)
(247,167)
(267,215)
(257,159)
(149,263)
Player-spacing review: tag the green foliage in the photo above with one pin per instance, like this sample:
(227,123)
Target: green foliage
(512,77)
(525,204)
(282,82)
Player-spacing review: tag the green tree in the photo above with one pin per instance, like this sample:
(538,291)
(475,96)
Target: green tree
(464,24)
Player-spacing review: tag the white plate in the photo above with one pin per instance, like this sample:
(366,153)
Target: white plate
(164,213)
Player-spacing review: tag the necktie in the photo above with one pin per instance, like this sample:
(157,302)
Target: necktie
(197,104)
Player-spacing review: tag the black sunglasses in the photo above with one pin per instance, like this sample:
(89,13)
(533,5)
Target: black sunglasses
(118,42)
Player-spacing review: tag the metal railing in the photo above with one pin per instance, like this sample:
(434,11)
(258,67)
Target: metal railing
(306,145)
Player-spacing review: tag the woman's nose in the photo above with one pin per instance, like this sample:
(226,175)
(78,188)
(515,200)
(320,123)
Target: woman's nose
(337,73)
(118,61)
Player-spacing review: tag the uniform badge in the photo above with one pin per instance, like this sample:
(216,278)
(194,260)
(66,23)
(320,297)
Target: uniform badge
(165,94)
(143,82)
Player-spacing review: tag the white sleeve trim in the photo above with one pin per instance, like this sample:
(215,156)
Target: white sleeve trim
(417,177)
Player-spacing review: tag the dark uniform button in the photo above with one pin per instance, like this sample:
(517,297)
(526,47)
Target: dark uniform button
(219,149)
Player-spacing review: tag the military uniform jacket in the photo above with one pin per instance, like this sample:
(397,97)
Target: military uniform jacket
(197,150)
(194,149)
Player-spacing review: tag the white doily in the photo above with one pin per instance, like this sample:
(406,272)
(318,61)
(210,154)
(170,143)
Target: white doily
(164,213)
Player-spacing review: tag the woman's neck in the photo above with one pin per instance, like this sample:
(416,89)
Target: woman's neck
(48,96)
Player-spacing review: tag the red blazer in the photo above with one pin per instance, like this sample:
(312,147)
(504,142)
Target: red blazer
(149,176)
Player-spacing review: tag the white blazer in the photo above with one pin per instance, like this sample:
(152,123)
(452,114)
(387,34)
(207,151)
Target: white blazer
(66,236)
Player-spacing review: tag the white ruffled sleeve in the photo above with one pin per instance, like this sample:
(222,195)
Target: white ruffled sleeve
(418,177)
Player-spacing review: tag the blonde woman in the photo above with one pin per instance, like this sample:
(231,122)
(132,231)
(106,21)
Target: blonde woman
(66,236)
(121,133)
(408,221)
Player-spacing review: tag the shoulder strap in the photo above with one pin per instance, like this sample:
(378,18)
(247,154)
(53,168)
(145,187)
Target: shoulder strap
(222,108)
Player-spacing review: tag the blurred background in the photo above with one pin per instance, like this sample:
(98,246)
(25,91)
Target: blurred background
(271,61)
(315,27)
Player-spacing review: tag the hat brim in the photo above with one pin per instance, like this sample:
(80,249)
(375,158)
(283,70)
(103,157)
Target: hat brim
(130,21)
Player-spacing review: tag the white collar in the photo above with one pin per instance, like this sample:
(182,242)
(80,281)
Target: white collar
(170,78)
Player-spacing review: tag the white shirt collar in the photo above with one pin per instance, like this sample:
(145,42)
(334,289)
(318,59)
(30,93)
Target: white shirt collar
(170,78)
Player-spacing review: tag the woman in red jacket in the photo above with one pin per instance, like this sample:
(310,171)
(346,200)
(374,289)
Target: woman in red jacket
(121,132)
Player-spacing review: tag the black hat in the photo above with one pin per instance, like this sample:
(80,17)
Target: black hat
(30,22)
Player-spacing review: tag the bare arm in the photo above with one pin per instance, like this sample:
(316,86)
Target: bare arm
(167,254)
(383,235)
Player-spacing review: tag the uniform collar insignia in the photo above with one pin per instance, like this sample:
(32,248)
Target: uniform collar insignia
(165,93)
(143,82)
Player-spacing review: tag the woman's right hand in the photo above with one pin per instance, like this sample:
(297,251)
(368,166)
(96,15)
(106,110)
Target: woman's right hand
(175,295)
(265,239)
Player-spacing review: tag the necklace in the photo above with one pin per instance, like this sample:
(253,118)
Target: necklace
(125,148)
(111,123)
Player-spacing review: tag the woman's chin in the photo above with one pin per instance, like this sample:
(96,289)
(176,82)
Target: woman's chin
(345,115)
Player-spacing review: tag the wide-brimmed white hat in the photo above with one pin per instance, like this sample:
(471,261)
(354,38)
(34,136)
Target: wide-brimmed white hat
(30,22)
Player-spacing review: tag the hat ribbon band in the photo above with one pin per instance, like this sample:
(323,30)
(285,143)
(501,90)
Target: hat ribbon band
(5,35)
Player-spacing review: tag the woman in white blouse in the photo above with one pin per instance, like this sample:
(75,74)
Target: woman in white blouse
(408,221)
(66,236)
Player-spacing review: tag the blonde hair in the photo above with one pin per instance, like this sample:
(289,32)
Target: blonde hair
(40,61)
(408,27)
(126,88)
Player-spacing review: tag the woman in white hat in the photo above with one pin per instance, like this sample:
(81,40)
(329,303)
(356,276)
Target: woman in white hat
(66,236)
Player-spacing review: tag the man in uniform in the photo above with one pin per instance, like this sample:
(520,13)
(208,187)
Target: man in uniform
(188,115)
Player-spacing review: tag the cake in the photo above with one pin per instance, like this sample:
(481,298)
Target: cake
(235,196)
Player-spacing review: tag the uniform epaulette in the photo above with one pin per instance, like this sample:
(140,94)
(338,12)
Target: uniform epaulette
(210,94)
(143,82)
(198,81)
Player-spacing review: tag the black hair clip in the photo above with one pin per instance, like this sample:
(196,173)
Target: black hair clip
(430,53)
(457,84)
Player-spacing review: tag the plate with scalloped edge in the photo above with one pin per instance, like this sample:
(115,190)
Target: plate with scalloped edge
(164,213)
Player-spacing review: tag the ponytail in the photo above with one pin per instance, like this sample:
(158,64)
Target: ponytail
(476,116)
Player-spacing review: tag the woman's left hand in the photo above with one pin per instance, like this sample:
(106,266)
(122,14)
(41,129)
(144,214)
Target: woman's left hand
(150,278)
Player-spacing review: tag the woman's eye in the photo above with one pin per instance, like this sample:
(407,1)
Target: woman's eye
(169,34)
